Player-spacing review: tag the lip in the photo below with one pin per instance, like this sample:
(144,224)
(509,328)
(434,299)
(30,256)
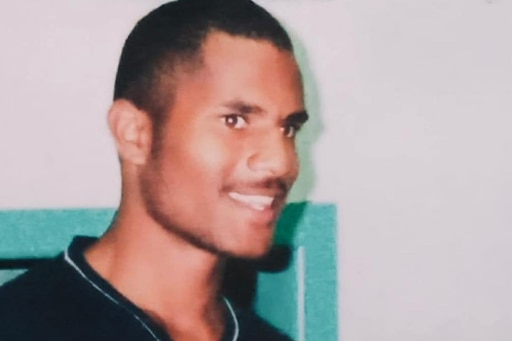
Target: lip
(256,202)
(263,207)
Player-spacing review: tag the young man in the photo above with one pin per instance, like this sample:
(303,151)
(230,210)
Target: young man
(208,99)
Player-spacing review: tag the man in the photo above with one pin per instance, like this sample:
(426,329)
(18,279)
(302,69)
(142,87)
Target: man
(208,99)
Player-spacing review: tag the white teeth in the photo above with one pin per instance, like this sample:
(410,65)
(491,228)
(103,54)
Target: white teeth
(257,202)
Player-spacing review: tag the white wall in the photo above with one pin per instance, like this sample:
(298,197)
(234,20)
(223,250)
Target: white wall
(410,138)
(425,183)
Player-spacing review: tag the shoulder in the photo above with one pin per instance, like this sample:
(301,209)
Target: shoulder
(39,302)
(23,298)
(55,302)
(43,283)
(31,284)
(44,293)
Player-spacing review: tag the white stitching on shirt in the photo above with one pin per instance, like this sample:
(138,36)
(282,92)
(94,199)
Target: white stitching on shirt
(235,320)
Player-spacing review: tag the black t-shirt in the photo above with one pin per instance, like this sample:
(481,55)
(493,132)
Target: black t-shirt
(65,299)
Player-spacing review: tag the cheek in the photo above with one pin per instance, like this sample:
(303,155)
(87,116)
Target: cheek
(210,158)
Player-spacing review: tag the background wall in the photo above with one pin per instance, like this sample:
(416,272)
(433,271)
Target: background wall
(411,104)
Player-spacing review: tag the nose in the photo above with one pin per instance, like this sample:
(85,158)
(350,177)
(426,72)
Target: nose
(274,156)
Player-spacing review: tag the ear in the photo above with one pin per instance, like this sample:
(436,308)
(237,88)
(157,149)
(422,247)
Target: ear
(132,131)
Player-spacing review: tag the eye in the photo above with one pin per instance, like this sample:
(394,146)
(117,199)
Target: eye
(235,121)
(290,130)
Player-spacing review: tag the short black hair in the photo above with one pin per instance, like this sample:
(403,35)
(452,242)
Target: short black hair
(172,35)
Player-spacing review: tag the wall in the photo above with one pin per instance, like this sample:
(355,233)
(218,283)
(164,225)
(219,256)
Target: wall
(425,182)
(411,105)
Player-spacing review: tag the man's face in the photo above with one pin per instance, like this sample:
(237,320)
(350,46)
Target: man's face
(227,157)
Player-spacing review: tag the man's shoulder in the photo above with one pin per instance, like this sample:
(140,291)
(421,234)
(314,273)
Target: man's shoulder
(46,285)
(32,283)
(25,301)
(54,301)
(50,285)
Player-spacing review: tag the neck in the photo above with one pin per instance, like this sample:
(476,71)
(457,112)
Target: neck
(176,283)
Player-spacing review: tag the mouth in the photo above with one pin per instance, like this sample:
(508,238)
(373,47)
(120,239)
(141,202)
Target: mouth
(253,201)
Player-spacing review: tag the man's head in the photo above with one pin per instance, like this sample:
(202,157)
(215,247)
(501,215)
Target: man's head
(208,101)
(169,40)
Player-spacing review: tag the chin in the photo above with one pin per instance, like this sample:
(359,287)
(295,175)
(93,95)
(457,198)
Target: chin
(254,252)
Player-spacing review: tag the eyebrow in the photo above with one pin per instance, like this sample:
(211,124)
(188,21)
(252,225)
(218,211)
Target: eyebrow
(298,117)
(243,107)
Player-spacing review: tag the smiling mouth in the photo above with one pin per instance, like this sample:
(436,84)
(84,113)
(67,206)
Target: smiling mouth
(256,202)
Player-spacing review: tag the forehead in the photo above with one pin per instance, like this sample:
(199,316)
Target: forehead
(219,47)
(235,67)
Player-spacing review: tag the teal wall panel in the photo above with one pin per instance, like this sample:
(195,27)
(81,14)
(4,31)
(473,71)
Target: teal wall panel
(276,299)
(307,289)
(44,233)
(300,297)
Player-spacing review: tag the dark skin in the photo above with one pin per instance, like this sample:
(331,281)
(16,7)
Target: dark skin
(214,189)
